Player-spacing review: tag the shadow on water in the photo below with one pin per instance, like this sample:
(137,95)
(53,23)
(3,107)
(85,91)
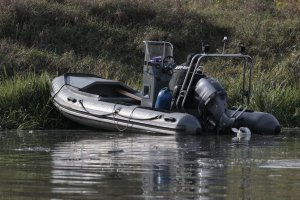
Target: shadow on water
(93,165)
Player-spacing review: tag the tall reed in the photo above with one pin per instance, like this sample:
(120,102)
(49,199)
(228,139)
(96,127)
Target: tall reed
(25,102)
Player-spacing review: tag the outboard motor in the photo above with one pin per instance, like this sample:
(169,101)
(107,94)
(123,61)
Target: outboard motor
(212,107)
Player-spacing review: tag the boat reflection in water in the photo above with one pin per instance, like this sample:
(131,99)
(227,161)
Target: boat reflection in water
(135,166)
(94,165)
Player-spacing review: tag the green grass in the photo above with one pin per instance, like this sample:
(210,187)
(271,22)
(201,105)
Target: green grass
(280,100)
(25,103)
(40,39)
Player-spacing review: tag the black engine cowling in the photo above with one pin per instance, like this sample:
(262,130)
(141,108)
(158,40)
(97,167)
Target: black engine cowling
(212,103)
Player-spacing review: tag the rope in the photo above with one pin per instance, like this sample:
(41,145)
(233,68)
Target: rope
(59,91)
(92,114)
(114,112)
(117,112)
(116,123)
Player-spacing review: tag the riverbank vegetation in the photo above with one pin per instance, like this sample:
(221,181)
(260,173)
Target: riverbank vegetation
(40,39)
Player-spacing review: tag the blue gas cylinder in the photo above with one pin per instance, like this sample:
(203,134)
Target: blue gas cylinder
(164,99)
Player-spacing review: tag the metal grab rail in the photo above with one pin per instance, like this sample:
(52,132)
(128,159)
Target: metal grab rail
(186,86)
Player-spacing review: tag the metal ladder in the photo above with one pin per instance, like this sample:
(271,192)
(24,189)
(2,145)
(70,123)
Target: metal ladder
(192,70)
(187,83)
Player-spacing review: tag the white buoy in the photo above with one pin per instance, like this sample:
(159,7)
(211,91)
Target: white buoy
(243,133)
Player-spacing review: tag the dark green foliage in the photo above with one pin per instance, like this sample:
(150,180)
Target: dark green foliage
(122,13)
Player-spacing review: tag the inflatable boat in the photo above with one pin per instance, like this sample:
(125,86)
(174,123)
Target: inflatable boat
(174,99)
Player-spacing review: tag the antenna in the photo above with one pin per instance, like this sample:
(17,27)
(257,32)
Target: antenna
(225,40)
(205,48)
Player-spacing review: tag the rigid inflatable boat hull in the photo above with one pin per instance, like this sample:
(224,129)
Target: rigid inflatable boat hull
(94,111)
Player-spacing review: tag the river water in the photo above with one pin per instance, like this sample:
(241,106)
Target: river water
(105,165)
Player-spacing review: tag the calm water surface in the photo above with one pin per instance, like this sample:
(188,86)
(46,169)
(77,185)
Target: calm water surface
(100,165)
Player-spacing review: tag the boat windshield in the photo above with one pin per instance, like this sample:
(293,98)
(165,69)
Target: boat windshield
(157,50)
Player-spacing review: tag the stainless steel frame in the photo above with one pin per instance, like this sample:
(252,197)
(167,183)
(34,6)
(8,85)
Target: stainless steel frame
(187,83)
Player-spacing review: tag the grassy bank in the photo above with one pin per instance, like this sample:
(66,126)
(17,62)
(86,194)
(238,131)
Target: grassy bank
(40,39)
(24,102)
